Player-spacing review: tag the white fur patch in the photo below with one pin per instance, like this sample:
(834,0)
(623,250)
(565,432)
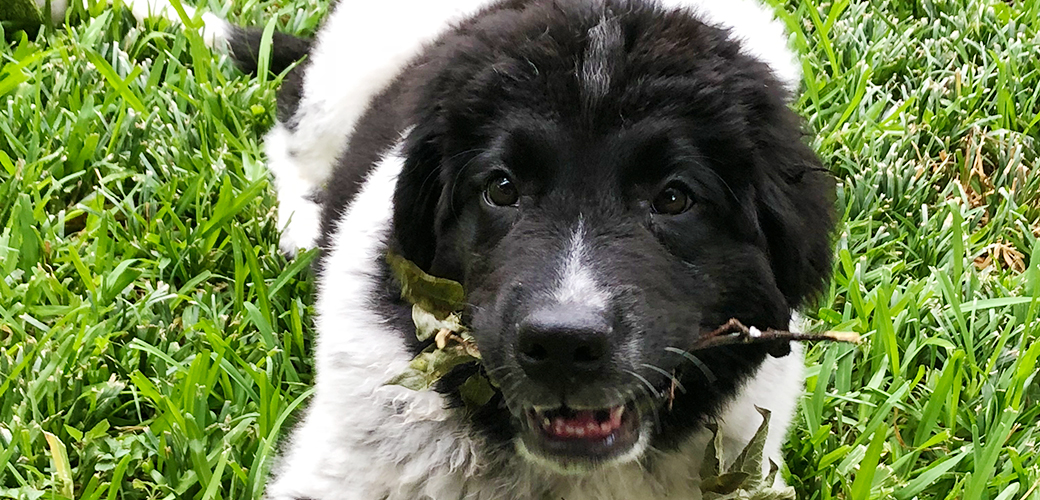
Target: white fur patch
(57,9)
(577,284)
(299,217)
(354,418)
(596,71)
(361,48)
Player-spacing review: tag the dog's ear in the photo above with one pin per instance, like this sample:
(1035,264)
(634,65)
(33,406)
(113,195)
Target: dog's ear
(797,215)
(419,189)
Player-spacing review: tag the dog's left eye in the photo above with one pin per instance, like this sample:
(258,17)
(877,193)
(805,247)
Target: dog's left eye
(501,191)
(672,200)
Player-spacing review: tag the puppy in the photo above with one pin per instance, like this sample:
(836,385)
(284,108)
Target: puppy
(608,179)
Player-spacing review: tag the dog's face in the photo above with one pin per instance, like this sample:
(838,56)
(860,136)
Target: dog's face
(608,187)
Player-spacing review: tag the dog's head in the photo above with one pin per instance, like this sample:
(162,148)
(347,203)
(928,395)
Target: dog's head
(609,184)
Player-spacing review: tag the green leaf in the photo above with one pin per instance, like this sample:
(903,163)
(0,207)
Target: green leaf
(427,324)
(750,458)
(60,461)
(476,391)
(430,366)
(437,295)
(712,463)
(868,467)
(436,303)
(784,493)
(743,480)
(726,483)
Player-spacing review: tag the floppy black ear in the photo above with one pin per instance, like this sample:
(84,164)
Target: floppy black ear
(796,210)
(419,188)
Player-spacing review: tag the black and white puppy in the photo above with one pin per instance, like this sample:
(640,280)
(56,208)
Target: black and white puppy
(609,179)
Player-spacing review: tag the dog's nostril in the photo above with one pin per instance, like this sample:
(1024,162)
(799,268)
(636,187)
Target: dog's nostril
(586,354)
(535,352)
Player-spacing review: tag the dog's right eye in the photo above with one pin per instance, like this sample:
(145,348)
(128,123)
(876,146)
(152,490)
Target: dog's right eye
(501,191)
(673,200)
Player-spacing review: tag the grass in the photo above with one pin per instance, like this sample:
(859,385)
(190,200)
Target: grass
(154,343)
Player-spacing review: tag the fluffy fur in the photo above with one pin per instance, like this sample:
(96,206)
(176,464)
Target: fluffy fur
(362,439)
(401,115)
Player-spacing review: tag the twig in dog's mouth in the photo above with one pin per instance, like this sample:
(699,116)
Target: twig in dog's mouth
(734,332)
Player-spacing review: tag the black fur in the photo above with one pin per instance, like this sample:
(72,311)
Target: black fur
(502,93)
(286,50)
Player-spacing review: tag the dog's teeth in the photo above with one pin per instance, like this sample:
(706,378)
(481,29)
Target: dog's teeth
(580,432)
(606,428)
(546,423)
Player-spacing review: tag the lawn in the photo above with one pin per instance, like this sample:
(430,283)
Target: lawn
(154,343)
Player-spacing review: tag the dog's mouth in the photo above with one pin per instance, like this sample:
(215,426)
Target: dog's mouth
(571,439)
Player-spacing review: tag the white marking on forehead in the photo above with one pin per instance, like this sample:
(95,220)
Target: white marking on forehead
(604,40)
(577,285)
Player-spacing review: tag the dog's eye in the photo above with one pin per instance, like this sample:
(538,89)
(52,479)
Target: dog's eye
(673,200)
(501,191)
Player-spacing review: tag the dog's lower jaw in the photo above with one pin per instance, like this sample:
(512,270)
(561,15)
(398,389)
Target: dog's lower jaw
(578,467)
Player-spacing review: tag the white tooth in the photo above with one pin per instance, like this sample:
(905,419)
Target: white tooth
(545,423)
(580,432)
(605,428)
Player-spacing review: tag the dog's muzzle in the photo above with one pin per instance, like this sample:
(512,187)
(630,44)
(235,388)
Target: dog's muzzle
(564,348)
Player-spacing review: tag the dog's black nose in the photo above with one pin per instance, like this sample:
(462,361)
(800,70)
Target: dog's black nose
(562,342)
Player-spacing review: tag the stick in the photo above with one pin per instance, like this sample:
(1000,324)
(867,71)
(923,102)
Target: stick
(734,332)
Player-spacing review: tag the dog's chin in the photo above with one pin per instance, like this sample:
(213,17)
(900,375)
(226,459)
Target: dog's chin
(578,441)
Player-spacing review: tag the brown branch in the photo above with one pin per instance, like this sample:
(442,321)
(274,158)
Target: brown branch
(734,332)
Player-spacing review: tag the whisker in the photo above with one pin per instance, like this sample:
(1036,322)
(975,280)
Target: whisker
(696,362)
(645,383)
(496,370)
(670,376)
(651,400)
(512,400)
